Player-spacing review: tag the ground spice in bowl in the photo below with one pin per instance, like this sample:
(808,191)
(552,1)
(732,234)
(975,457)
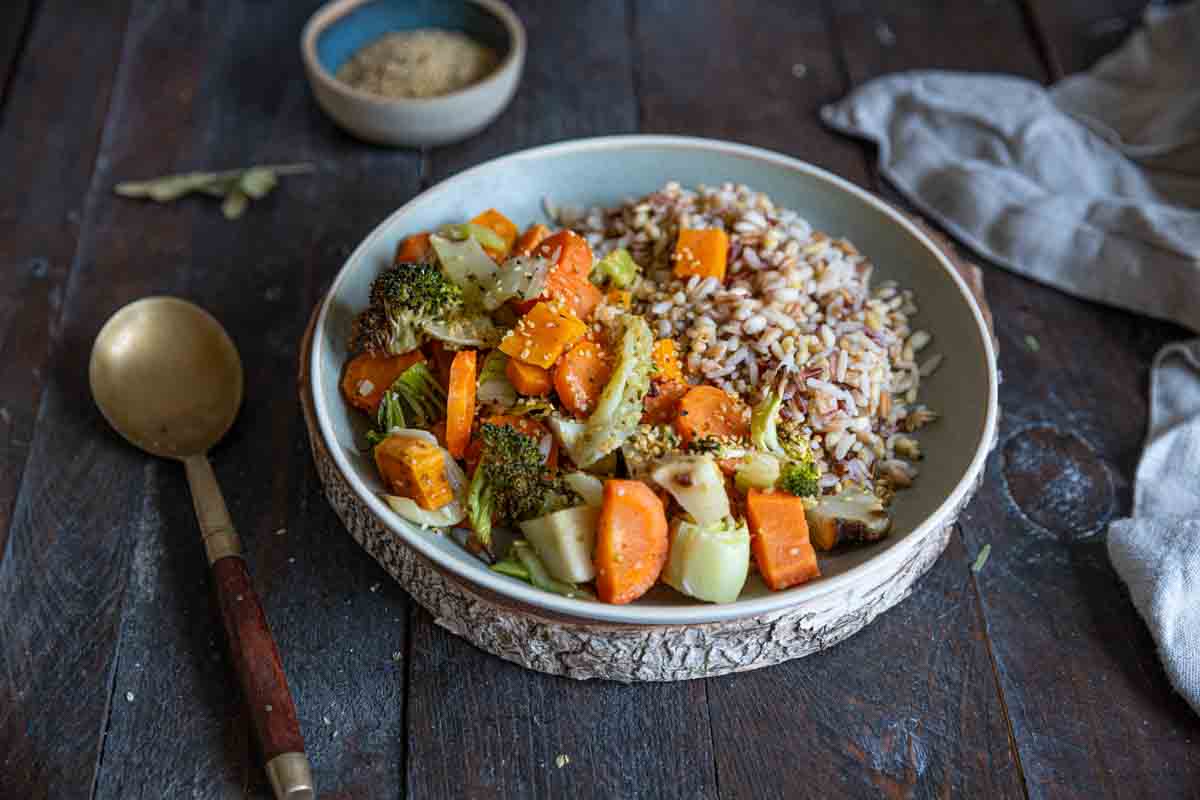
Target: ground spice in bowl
(428,62)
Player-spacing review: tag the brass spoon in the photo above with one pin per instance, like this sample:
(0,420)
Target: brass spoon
(168,378)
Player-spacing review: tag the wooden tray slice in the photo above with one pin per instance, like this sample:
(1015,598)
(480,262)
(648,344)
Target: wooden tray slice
(584,649)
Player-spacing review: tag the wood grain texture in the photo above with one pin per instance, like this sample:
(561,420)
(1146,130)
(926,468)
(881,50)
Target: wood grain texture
(62,574)
(49,135)
(15,18)
(750,72)
(215,72)
(1078,671)
(255,660)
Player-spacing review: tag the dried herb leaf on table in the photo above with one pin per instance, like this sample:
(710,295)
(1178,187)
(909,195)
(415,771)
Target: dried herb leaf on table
(236,187)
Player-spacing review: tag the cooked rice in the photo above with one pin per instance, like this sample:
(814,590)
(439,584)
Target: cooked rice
(797,311)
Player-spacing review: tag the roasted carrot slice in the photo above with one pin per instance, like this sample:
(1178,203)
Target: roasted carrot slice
(530,239)
(702,252)
(709,411)
(569,251)
(527,379)
(542,335)
(661,405)
(779,539)
(502,226)
(414,469)
(368,376)
(413,249)
(668,367)
(460,402)
(580,376)
(631,541)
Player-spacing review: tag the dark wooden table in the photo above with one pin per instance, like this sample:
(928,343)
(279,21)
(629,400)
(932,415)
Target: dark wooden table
(1034,677)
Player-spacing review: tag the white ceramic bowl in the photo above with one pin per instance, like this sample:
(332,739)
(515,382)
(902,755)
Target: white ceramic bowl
(339,29)
(605,171)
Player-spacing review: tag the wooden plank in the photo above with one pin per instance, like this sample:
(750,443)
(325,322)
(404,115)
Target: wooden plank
(576,84)
(1090,710)
(46,178)
(200,89)
(480,727)
(15,19)
(750,72)
(851,721)
(59,567)
(1074,34)
(892,36)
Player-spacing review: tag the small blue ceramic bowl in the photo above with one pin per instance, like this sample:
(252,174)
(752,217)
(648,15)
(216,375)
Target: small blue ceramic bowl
(339,29)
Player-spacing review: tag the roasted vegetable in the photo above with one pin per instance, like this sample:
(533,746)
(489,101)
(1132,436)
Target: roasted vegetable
(528,241)
(697,485)
(405,299)
(413,249)
(529,380)
(617,269)
(589,488)
(460,402)
(453,512)
(854,515)
(756,470)
(564,540)
(706,411)
(524,564)
(511,483)
(779,539)
(540,336)
(415,400)
(503,227)
(800,478)
(494,389)
(667,366)
(702,252)
(709,562)
(369,375)
(487,238)
(581,375)
(767,433)
(648,445)
(631,541)
(619,409)
(414,469)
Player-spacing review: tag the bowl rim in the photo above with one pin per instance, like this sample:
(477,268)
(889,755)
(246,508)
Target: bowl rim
(698,612)
(331,12)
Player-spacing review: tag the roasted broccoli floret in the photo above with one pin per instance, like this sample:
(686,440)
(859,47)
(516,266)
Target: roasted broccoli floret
(511,484)
(414,400)
(783,439)
(800,478)
(404,299)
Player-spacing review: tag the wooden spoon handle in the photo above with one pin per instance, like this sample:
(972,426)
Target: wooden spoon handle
(251,646)
(264,684)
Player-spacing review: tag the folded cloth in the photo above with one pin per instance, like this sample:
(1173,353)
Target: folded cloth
(1091,186)
(1157,551)
(1013,175)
